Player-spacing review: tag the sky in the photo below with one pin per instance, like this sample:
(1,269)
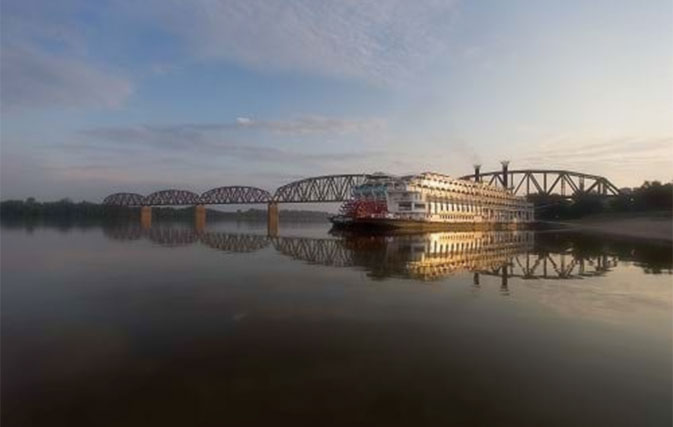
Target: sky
(107,96)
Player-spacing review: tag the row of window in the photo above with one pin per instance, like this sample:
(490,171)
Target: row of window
(465,187)
(446,216)
(488,198)
(452,207)
(412,195)
(406,206)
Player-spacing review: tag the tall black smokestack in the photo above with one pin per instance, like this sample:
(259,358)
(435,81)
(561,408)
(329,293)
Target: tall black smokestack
(505,179)
(477,176)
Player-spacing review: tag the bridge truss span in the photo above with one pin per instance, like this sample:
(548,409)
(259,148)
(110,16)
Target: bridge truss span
(328,188)
(172,198)
(565,183)
(124,199)
(235,194)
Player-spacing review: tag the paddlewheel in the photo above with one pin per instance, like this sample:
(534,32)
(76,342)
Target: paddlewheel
(358,208)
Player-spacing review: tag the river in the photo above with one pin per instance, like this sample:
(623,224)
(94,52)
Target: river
(117,324)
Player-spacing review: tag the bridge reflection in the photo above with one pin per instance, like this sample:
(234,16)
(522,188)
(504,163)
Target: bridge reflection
(429,256)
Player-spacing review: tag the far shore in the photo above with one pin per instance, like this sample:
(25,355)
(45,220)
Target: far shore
(652,226)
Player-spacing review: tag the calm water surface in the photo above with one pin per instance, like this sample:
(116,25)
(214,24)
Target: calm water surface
(118,325)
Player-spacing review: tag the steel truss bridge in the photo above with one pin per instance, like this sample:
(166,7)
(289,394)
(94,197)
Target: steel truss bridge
(337,188)
(321,189)
(565,183)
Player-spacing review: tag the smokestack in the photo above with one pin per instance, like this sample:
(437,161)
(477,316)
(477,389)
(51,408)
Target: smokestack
(477,176)
(505,178)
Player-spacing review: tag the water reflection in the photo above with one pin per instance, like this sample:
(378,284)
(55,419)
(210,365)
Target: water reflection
(129,324)
(427,256)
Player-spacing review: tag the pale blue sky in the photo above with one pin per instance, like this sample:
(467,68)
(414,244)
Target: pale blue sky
(107,96)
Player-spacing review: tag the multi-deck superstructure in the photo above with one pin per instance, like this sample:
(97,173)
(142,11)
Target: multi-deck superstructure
(432,200)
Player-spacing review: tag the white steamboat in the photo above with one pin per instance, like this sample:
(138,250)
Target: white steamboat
(433,200)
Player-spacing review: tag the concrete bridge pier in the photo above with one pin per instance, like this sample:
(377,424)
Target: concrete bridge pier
(199,218)
(146,216)
(272,219)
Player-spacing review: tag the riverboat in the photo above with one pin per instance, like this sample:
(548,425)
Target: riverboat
(432,201)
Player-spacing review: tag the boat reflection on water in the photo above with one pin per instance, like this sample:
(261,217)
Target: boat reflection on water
(430,256)
(423,256)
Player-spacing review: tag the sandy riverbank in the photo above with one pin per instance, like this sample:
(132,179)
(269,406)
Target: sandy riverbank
(657,226)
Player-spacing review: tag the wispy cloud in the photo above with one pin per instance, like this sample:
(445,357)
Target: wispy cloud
(34,78)
(197,145)
(620,158)
(313,125)
(44,61)
(209,151)
(190,135)
(582,150)
(382,41)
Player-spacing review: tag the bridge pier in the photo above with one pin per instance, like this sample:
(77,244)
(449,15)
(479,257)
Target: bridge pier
(199,218)
(146,216)
(272,219)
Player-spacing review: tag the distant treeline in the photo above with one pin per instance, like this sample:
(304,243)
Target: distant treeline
(651,196)
(67,210)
